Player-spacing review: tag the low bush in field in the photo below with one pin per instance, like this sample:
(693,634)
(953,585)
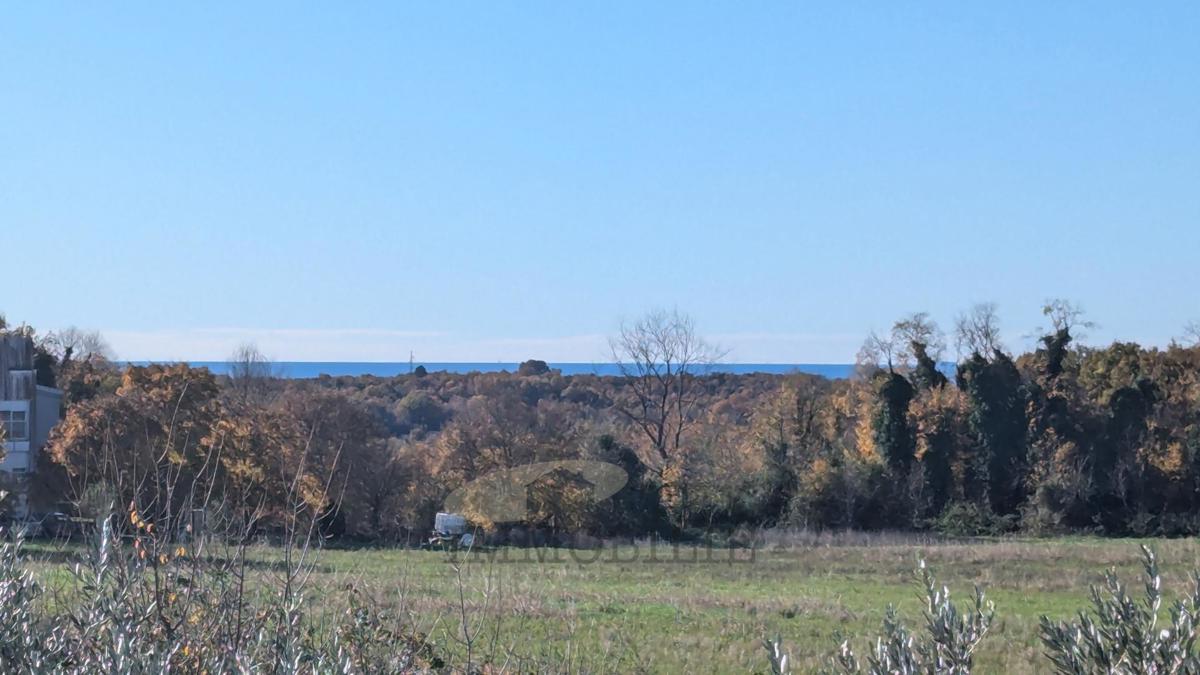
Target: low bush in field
(968,519)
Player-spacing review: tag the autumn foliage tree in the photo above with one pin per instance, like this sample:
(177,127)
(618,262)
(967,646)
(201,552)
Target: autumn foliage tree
(144,444)
(1065,437)
(163,443)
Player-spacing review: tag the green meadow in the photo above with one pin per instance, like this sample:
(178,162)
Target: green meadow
(644,608)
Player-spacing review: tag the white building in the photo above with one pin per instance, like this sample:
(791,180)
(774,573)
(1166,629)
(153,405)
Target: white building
(28,411)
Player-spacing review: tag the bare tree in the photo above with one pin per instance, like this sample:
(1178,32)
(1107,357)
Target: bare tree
(250,372)
(898,349)
(977,331)
(876,352)
(1068,316)
(78,344)
(1191,333)
(918,329)
(661,355)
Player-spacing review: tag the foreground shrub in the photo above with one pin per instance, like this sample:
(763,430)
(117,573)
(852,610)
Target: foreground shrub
(129,610)
(23,644)
(946,645)
(1122,634)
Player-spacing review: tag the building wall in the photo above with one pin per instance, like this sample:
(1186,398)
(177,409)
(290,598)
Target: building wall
(18,454)
(19,391)
(17,379)
(47,410)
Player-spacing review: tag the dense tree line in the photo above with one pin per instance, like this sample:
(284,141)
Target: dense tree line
(1064,437)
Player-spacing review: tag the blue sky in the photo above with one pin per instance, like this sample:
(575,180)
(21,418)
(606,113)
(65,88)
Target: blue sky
(498,181)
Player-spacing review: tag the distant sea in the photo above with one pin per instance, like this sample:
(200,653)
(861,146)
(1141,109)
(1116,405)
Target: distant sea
(308,369)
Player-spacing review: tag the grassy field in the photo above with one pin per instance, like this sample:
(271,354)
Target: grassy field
(689,610)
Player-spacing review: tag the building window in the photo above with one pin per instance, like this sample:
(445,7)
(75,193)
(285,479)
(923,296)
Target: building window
(16,427)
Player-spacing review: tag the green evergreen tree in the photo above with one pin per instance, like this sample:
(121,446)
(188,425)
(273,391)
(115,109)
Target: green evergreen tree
(997,423)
